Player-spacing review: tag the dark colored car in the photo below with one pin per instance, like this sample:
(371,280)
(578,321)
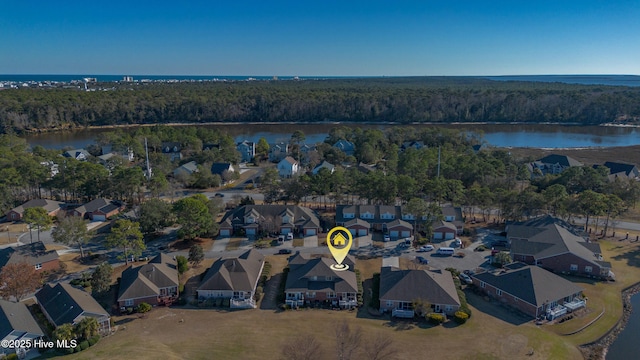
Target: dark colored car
(422,260)
(219,195)
(284,251)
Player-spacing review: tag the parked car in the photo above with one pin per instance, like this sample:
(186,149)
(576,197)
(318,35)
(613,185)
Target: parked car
(456,242)
(387,238)
(422,260)
(426,248)
(289,236)
(466,279)
(284,251)
(219,195)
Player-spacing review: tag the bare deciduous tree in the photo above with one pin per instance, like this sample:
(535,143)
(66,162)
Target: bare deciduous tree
(347,340)
(302,347)
(380,347)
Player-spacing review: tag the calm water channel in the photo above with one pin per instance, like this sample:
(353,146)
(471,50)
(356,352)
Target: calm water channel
(539,136)
(625,346)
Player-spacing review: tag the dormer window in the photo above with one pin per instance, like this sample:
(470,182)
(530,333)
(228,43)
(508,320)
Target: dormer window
(387,216)
(366,215)
(349,215)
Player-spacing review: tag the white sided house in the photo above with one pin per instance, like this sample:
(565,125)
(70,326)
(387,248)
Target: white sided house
(288,167)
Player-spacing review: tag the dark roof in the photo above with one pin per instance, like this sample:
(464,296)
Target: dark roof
(408,285)
(76,153)
(219,168)
(455,211)
(547,236)
(302,216)
(16,317)
(49,205)
(100,204)
(236,274)
(167,147)
(148,279)
(302,268)
(64,303)
(618,167)
(562,160)
(32,254)
(530,283)
(441,223)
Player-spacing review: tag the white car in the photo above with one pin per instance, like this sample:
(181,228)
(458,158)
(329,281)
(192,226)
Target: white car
(426,248)
(466,279)
(387,238)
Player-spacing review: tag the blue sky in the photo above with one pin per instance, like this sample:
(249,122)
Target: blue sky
(308,37)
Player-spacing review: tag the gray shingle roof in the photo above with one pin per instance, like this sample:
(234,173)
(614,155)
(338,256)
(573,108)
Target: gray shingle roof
(32,254)
(148,279)
(563,160)
(408,285)
(16,317)
(303,268)
(530,283)
(619,167)
(547,237)
(236,274)
(49,205)
(64,303)
(273,213)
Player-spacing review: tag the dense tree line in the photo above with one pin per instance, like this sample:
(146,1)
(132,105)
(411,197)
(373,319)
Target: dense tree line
(402,100)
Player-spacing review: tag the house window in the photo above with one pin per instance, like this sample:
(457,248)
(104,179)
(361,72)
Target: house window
(498,292)
(251,220)
(573,267)
(38,266)
(329,278)
(449,218)
(349,215)
(311,294)
(238,294)
(448,308)
(588,269)
(389,303)
(128,302)
(331,294)
(314,278)
(482,284)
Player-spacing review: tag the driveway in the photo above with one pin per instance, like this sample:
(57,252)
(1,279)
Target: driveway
(220,245)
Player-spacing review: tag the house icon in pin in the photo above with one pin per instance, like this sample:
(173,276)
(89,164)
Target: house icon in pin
(339,240)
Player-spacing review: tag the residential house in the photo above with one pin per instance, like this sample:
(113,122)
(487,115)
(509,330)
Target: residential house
(222,169)
(78,154)
(127,156)
(186,169)
(53,168)
(555,245)
(288,167)
(247,150)
(552,164)
(154,283)
(357,227)
(52,207)
(417,145)
(622,171)
(233,278)
(325,165)
(312,281)
(453,214)
(16,323)
(345,146)
(530,289)
(98,210)
(63,304)
(278,151)
(400,288)
(444,230)
(306,153)
(282,219)
(377,217)
(365,168)
(34,254)
(172,150)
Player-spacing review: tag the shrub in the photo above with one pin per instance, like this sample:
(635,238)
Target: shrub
(481,248)
(435,319)
(129,310)
(181,288)
(226,303)
(84,345)
(460,317)
(11,357)
(94,340)
(258,293)
(374,302)
(218,302)
(143,308)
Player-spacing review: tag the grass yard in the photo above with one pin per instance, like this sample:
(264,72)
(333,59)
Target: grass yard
(234,244)
(9,233)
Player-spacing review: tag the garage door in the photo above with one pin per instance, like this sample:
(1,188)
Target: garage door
(285,230)
(394,234)
(406,234)
(449,236)
(311,232)
(99,217)
(251,231)
(225,232)
(353,232)
(437,235)
(362,232)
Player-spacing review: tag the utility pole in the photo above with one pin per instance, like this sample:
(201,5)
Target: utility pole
(146,149)
(438,161)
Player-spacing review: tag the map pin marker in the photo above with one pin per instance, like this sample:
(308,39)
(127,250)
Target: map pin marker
(339,241)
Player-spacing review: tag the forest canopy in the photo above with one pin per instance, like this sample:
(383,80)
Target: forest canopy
(399,100)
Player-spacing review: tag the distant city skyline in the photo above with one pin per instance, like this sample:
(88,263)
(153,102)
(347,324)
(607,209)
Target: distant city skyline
(328,38)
